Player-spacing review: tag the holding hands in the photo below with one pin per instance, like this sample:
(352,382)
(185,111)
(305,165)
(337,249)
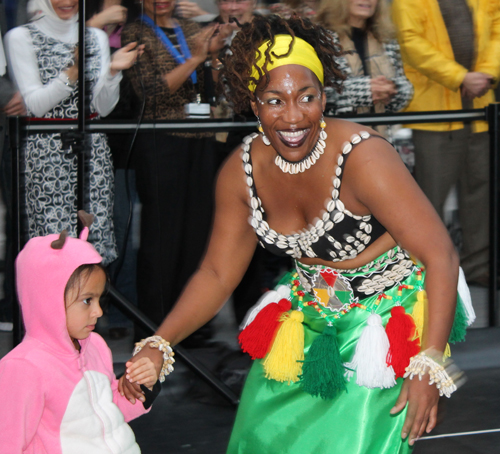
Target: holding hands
(141,372)
(128,384)
(383,89)
(475,85)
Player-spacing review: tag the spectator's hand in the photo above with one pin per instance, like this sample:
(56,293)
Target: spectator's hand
(114,15)
(187,10)
(476,84)
(422,400)
(383,89)
(142,372)
(125,57)
(15,107)
(202,43)
(72,71)
(219,37)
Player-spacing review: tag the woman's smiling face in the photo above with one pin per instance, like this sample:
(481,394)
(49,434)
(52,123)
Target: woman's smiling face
(65,9)
(290,109)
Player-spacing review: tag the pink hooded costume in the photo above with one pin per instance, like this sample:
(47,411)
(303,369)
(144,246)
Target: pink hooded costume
(56,399)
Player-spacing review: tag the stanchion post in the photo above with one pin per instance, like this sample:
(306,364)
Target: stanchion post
(15,146)
(82,111)
(492,114)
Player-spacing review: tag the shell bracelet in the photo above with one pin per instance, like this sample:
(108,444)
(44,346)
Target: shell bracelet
(446,376)
(164,347)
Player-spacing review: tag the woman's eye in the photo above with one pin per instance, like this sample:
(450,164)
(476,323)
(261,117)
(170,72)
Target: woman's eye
(274,102)
(87,301)
(308,98)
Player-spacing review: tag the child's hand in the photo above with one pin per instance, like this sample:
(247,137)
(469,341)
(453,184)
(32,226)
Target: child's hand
(142,372)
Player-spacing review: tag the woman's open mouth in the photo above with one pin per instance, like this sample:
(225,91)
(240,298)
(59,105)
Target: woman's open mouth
(294,138)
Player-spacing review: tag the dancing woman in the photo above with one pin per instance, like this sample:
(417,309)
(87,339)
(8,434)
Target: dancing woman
(336,197)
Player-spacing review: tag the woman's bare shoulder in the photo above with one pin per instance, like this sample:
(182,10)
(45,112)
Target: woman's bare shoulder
(343,130)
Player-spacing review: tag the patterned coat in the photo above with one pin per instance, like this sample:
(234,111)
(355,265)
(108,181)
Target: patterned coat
(356,91)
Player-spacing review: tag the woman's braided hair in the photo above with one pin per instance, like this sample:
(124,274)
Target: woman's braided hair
(239,62)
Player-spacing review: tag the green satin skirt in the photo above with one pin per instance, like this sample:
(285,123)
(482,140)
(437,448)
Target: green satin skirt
(276,417)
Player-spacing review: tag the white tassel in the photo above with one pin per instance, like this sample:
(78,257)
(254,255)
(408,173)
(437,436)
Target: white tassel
(464,293)
(272,296)
(369,360)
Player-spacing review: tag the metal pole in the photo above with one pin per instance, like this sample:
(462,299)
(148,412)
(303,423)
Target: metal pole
(493,112)
(15,146)
(198,368)
(82,112)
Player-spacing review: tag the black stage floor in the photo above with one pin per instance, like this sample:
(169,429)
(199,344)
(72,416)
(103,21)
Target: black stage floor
(189,417)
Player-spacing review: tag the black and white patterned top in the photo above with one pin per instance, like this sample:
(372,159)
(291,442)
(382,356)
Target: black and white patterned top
(356,91)
(338,235)
(50,172)
(53,57)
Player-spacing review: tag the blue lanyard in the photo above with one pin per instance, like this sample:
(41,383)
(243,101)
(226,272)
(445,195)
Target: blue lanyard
(186,54)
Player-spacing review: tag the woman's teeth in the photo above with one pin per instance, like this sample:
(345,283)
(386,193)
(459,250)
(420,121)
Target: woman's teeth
(293,138)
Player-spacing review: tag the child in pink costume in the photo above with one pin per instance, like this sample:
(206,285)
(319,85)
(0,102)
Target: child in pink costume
(60,392)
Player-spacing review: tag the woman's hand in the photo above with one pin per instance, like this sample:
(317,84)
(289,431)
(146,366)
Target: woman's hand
(72,71)
(202,43)
(188,10)
(125,57)
(15,107)
(422,400)
(114,15)
(475,85)
(383,89)
(219,38)
(127,385)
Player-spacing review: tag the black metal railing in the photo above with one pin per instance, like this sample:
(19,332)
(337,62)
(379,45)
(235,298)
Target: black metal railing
(19,127)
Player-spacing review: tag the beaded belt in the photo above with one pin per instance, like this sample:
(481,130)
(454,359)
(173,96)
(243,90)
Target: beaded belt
(336,289)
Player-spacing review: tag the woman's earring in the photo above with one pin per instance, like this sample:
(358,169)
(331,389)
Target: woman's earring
(322,123)
(261,130)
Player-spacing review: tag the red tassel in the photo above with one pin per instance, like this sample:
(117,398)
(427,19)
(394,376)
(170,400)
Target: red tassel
(400,330)
(257,337)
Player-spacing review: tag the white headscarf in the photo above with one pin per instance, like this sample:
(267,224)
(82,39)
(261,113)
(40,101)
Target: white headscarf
(50,23)
(43,8)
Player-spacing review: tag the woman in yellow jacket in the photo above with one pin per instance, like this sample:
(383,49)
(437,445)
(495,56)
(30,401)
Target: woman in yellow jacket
(451,55)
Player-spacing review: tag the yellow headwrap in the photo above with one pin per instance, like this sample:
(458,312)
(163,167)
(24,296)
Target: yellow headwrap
(302,54)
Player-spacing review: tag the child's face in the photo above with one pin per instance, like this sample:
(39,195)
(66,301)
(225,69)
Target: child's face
(82,305)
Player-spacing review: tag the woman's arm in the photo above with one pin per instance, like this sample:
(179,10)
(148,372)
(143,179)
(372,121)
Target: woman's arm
(230,249)
(23,66)
(356,91)
(403,85)
(381,184)
(114,15)
(107,90)
(175,78)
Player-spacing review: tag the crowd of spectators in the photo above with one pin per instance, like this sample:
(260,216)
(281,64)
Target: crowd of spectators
(436,55)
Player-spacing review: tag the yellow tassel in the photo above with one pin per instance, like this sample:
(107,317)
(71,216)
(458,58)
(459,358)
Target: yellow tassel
(447,352)
(283,362)
(418,314)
